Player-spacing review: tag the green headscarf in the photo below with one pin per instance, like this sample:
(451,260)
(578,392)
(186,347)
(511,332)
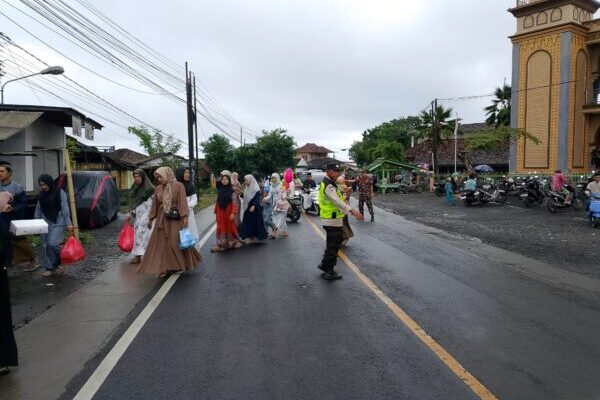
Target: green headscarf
(140,193)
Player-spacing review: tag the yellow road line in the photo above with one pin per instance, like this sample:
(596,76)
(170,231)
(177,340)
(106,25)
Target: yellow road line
(477,387)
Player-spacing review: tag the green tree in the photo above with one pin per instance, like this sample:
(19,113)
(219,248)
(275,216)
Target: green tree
(219,153)
(498,113)
(155,143)
(275,150)
(387,140)
(435,126)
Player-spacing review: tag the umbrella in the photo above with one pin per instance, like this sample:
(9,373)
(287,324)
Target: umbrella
(483,168)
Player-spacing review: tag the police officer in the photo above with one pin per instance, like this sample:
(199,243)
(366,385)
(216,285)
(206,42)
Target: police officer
(333,210)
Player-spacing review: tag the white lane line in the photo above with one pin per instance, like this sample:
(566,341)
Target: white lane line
(88,391)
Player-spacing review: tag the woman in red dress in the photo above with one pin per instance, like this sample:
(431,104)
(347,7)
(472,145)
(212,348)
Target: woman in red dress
(226,211)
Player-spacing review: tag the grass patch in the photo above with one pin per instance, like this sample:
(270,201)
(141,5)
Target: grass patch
(205,200)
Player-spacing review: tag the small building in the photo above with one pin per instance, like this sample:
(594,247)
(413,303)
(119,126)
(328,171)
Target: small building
(386,170)
(312,151)
(92,158)
(38,132)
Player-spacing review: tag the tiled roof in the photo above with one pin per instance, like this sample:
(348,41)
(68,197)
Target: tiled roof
(421,153)
(313,148)
(128,155)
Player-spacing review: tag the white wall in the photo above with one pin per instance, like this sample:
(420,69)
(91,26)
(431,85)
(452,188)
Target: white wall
(39,135)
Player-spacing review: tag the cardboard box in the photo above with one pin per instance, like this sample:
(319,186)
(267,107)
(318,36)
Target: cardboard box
(26,227)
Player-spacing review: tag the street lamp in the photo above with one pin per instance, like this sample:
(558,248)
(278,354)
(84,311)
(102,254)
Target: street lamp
(56,70)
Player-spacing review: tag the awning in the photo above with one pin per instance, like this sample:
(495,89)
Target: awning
(12,122)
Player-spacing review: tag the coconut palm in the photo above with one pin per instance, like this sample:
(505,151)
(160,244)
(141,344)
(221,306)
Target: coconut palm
(435,126)
(498,113)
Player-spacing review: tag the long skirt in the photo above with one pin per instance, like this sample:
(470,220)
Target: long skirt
(51,243)
(163,253)
(253,225)
(140,227)
(347,230)
(8,346)
(280,221)
(268,215)
(227,231)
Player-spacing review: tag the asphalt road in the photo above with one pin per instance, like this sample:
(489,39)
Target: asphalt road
(259,323)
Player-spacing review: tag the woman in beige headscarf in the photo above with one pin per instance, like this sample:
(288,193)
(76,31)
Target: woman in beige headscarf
(163,255)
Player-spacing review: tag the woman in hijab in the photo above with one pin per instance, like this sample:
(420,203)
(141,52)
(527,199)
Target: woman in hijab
(237,187)
(346,190)
(140,202)
(278,197)
(168,215)
(253,226)
(226,211)
(184,175)
(53,208)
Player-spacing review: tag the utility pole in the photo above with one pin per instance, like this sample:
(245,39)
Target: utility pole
(190,116)
(242,152)
(436,134)
(197,175)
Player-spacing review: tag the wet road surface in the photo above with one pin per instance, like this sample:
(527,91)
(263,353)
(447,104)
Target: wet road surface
(259,323)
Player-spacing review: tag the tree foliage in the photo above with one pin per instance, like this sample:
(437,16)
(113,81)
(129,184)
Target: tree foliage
(156,143)
(388,140)
(498,113)
(436,125)
(273,151)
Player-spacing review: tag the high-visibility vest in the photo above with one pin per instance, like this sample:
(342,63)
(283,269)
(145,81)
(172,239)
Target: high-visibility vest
(328,209)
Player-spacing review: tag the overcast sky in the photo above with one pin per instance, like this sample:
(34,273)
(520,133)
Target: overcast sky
(326,70)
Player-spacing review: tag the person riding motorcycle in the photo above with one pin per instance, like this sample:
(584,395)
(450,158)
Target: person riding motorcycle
(471,183)
(307,186)
(559,184)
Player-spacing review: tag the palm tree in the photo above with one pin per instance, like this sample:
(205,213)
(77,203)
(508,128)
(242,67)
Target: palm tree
(498,113)
(434,126)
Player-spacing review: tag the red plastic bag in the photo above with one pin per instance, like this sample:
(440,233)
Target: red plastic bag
(72,251)
(126,238)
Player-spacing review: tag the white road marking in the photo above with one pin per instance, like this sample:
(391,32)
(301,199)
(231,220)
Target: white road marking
(88,391)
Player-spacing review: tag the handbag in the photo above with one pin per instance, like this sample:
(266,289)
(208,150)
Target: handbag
(186,239)
(173,214)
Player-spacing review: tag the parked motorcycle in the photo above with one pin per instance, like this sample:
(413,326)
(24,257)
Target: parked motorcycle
(510,186)
(489,193)
(410,187)
(295,210)
(556,200)
(531,192)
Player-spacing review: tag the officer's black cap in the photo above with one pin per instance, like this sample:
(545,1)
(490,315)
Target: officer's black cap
(333,166)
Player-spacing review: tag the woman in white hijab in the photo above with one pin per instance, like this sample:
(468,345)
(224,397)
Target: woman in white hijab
(252,228)
(278,197)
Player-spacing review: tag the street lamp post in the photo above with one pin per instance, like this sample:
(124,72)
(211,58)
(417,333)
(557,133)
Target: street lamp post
(48,71)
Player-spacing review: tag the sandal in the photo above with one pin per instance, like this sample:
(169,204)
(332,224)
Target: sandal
(47,274)
(136,260)
(216,249)
(4,370)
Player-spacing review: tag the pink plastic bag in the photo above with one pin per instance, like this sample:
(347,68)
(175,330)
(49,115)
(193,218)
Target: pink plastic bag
(126,238)
(72,251)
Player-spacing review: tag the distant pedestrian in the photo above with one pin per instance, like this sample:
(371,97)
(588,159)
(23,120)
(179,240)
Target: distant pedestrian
(449,192)
(278,196)
(11,209)
(346,191)
(237,187)
(431,176)
(267,203)
(333,210)
(365,193)
(184,176)
(52,207)
(226,210)
(140,203)
(253,226)
(169,215)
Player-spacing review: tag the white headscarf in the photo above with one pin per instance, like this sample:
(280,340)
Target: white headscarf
(250,189)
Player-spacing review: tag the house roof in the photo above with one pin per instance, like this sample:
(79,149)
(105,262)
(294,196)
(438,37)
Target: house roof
(382,161)
(61,116)
(12,122)
(470,128)
(313,149)
(421,153)
(128,155)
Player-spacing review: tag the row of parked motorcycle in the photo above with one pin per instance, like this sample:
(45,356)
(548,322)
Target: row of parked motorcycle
(531,190)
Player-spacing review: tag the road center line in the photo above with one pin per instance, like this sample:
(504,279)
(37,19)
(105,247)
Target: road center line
(88,391)
(473,383)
